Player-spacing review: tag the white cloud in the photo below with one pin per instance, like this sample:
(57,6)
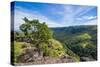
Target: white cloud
(70,13)
(89,17)
(19,15)
(84,11)
(91,22)
(86,18)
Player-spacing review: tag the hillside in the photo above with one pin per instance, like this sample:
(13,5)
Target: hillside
(26,53)
(82,40)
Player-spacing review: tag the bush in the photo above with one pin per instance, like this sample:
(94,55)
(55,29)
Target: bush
(53,48)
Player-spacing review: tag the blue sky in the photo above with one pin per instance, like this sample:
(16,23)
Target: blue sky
(55,15)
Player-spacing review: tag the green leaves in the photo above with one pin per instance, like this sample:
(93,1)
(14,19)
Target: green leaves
(36,31)
(25,28)
(53,48)
(84,36)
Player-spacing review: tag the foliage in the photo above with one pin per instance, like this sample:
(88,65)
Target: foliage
(36,31)
(82,40)
(72,54)
(18,35)
(83,37)
(54,48)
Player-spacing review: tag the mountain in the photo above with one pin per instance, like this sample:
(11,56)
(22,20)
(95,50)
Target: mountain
(82,40)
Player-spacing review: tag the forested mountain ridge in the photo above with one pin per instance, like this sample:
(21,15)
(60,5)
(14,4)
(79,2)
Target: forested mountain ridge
(92,29)
(82,40)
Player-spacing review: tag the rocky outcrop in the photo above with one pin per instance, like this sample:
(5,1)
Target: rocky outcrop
(29,54)
(34,56)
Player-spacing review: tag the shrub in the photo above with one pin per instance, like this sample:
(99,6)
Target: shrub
(53,48)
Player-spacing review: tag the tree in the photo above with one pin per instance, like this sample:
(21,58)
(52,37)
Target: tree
(36,31)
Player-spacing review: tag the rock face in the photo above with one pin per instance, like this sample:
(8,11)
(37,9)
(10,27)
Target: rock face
(29,55)
(34,56)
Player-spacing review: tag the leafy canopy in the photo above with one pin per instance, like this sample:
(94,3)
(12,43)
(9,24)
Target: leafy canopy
(36,31)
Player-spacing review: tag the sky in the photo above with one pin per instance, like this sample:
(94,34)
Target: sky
(55,15)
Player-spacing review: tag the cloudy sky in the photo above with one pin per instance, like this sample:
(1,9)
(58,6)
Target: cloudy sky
(55,15)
